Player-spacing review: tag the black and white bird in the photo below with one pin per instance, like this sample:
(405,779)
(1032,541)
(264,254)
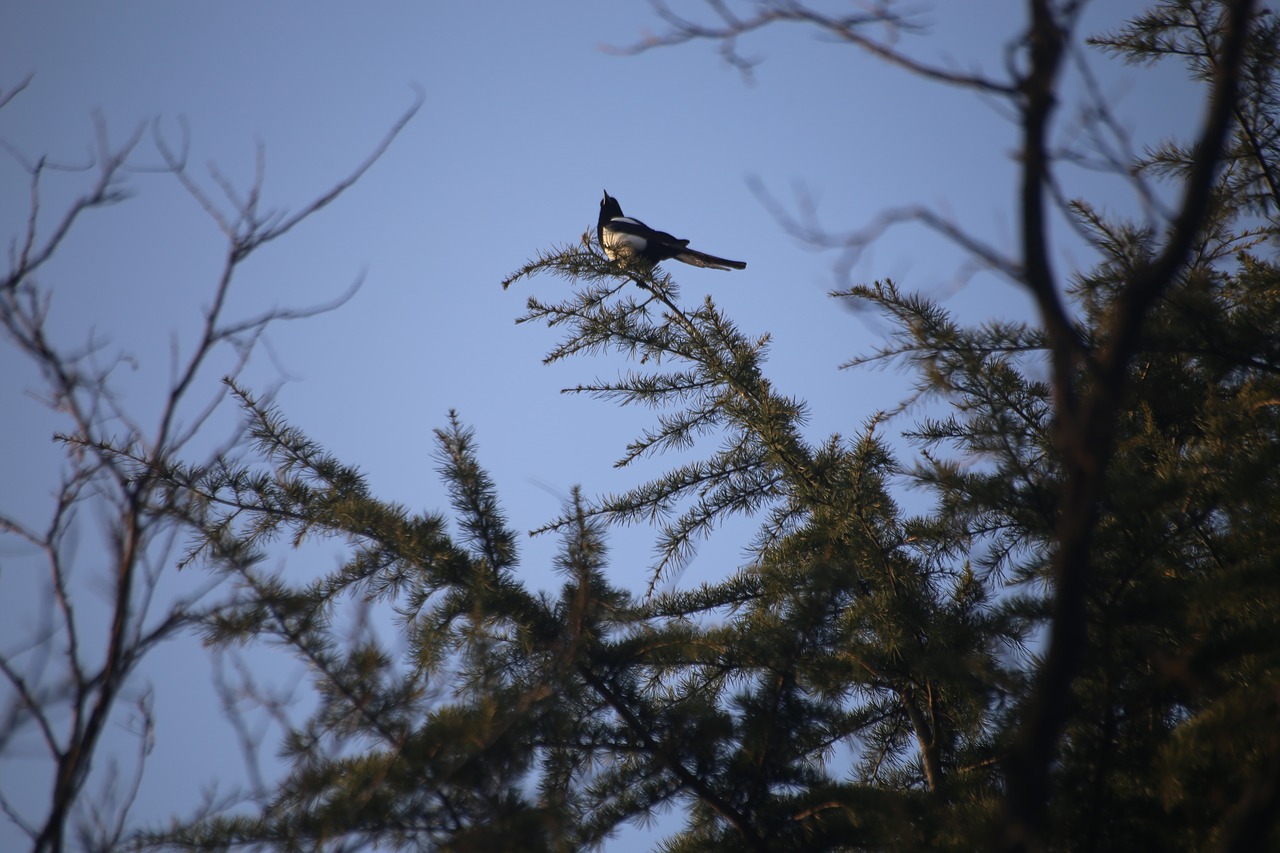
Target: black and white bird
(627,239)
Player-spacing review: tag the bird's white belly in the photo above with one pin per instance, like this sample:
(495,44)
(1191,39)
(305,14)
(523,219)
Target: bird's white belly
(616,244)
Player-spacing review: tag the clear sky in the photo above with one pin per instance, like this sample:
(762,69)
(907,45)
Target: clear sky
(525,120)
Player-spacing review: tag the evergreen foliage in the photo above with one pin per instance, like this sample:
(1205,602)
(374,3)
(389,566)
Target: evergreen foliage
(860,681)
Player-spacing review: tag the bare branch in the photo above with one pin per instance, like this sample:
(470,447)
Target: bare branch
(805,226)
(8,95)
(33,253)
(848,28)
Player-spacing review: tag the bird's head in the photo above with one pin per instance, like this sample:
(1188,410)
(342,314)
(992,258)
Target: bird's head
(609,207)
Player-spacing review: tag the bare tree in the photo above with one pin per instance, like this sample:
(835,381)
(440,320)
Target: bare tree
(71,679)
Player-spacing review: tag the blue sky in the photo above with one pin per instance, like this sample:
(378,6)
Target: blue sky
(525,120)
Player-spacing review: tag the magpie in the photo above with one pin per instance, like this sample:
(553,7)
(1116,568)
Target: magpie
(627,238)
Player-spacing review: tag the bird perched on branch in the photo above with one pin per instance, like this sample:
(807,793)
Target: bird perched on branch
(625,238)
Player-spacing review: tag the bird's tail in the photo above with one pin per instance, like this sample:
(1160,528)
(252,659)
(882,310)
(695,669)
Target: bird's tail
(701,259)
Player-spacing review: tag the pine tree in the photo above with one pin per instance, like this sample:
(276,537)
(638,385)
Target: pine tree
(868,679)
